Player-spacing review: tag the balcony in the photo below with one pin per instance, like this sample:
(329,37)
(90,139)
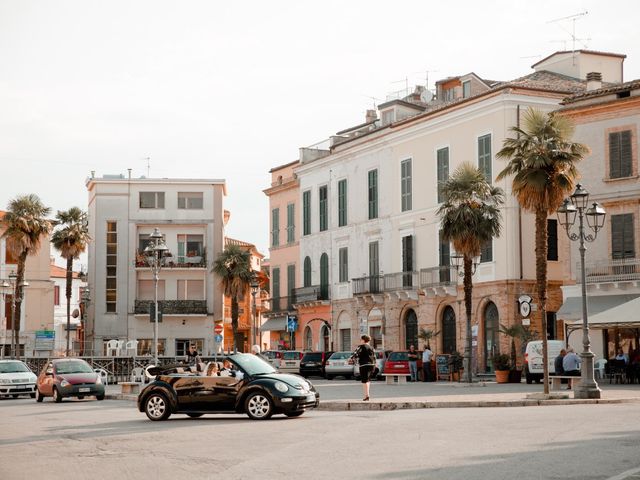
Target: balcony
(279,305)
(179,261)
(311,294)
(436,280)
(173,307)
(611,271)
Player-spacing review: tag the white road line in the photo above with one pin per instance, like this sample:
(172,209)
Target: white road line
(626,475)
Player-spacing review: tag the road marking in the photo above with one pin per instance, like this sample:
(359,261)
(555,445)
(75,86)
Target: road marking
(628,475)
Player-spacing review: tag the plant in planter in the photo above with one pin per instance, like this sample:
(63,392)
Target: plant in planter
(426,335)
(514,331)
(455,364)
(501,365)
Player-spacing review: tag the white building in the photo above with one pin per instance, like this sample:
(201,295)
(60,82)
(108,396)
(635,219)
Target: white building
(59,278)
(123,212)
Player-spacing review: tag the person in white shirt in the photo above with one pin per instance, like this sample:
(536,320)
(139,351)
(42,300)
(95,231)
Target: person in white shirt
(427,355)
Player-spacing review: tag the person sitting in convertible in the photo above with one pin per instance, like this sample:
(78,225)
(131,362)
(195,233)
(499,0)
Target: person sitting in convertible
(229,371)
(212,370)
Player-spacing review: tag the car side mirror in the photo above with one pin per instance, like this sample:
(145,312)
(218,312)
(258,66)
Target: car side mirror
(49,373)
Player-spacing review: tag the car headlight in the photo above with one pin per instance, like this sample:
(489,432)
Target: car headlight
(98,380)
(281,387)
(4,381)
(64,383)
(33,379)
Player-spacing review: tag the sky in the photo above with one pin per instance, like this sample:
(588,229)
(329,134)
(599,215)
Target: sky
(212,89)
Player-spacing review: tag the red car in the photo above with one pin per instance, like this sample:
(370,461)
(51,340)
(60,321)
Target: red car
(68,377)
(397,363)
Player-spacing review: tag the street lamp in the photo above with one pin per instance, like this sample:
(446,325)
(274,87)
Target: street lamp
(5,287)
(155,253)
(254,326)
(17,294)
(577,204)
(458,261)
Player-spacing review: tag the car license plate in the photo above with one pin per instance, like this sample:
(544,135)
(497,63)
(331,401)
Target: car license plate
(397,366)
(340,364)
(311,398)
(84,389)
(291,364)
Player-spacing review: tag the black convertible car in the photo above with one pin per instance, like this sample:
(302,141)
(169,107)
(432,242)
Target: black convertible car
(252,386)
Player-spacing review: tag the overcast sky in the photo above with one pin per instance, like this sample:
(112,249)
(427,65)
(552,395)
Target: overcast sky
(212,89)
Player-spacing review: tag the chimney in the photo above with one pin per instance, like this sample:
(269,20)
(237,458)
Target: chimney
(594,81)
(371,116)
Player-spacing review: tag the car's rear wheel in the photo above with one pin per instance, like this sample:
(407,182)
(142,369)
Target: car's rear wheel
(56,395)
(39,396)
(100,397)
(294,414)
(32,395)
(156,407)
(258,406)
(194,415)
(329,377)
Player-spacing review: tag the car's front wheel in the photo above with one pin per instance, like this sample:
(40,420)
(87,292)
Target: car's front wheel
(39,396)
(258,406)
(156,407)
(56,395)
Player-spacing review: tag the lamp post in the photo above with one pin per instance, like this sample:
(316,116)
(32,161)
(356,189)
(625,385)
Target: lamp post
(458,261)
(5,287)
(578,203)
(155,253)
(254,324)
(85,299)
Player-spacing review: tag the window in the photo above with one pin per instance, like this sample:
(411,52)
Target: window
(552,328)
(146,290)
(343,261)
(56,295)
(275,227)
(190,200)
(552,239)
(443,170)
(342,203)
(407,261)
(466,89)
(345,339)
(291,281)
(190,248)
(388,117)
(484,156)
(373,194)
(486,252)
(307,272)
(306,212)
(182,345)
(323,208)
(275,282)
(145,346)
(622,236)
(374,268)
(152,200)
(444,254)
(190,289)
(324,276)
(291,228)
(405,184)
(620,154)
(112,267)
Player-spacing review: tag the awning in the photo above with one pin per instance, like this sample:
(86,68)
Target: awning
(278,323)
(572,307)
(626,314)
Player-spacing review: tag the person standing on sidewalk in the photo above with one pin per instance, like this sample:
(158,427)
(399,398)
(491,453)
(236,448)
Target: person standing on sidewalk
(413,363)
(366,357)
(426,363)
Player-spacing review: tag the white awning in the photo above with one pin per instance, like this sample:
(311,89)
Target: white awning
(274,324)
(572,307)
(626,314)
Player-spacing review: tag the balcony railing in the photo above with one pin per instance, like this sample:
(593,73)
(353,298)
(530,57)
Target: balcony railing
(280,304)
(311,294)
(427,277)
(438,276)
(179,261)
(173,307)
(606,271)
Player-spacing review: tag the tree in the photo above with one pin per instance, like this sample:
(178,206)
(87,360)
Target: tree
(233,266)
(70,240)
(25,224)
(514,331)
(426,334)
(470,217)
(542,160)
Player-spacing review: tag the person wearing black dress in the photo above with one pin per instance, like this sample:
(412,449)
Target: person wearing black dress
(366,357)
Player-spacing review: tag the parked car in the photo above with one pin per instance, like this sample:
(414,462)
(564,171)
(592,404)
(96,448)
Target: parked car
(68,377)
(290,361)
(397,363)
(16,379)
(253,387)
(339,363)
(313,363)
(381,358)
(533,366)
(273,357)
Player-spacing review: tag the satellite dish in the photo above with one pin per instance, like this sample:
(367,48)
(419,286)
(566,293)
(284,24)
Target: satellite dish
(426,96)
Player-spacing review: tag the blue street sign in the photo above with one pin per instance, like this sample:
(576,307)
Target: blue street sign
(218,338)
(292,323)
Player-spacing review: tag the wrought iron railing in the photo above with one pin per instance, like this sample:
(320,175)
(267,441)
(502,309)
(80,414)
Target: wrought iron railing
(310,294)
(627,269)
(173,307)
(426,277)
(438,276)
(178,261)
(280,304)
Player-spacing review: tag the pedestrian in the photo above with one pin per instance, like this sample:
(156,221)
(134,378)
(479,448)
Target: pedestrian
(413,363)
(193,357)
(557,364)
(426,363)
(571,365)
(366,358)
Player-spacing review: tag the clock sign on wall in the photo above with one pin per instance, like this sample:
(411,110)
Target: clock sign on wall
(524,304)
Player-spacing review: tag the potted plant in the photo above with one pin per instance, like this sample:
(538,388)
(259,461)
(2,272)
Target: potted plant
(501,365)
(514,331)
(455,365)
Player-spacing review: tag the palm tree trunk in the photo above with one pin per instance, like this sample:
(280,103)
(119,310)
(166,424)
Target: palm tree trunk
(468,289)
(68,295)
(17,299)
(234,321)
(541,281)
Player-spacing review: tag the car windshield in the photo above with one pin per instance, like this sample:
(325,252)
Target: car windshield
(312,357)
(73,367)
(252,364)
(13,367)
(340,355)
(398,356)
(291,355)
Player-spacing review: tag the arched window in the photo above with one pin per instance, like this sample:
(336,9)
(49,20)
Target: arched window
(491,330)
(308,338)
(448,330)
(324,276)
(307,272)
(411,329)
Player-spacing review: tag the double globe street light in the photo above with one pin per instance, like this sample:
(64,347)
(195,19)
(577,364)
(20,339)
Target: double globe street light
(578,204)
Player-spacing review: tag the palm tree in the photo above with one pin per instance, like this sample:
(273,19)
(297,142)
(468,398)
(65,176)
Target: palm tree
(542,160)
(470,217)
(71,240)
(233,266)
(426,334)
(514,331)
(25,223)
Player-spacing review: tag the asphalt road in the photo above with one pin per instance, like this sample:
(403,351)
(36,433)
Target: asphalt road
(81,439)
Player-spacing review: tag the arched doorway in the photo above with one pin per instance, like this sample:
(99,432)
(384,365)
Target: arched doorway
(411,329)
(308,338)
(325,335)
(491,330)
(448,330)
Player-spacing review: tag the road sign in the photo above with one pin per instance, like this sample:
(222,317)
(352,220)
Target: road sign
(218,328)
(218,338)
(45,339)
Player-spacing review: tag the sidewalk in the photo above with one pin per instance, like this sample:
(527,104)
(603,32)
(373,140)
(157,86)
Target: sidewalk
(346,395)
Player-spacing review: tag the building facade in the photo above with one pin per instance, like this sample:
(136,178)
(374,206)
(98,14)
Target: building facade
(123,212)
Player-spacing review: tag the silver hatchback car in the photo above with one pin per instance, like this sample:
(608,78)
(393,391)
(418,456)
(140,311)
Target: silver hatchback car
(339,363)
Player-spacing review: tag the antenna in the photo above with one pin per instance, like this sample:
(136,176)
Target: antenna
(406,85)
(572,33)
(375,99)
(426,76)
(148,159)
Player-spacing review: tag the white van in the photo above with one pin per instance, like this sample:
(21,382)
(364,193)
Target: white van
(533,358)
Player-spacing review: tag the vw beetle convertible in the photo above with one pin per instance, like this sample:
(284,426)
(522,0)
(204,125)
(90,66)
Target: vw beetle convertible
(250,386)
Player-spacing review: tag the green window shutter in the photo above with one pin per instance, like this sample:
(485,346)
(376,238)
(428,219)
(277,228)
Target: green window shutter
(306,213)
(275,282)
(275,227)
(291,280)
(291,231)
(552,239)
(405,185)
(484,156)
(342,203)
(486,252)
(620,164)
(324,276)
(343,260)
(374,265)
(444,256)
(622,236)
(307,272)
(323,208)
(443,170)
(373,194)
